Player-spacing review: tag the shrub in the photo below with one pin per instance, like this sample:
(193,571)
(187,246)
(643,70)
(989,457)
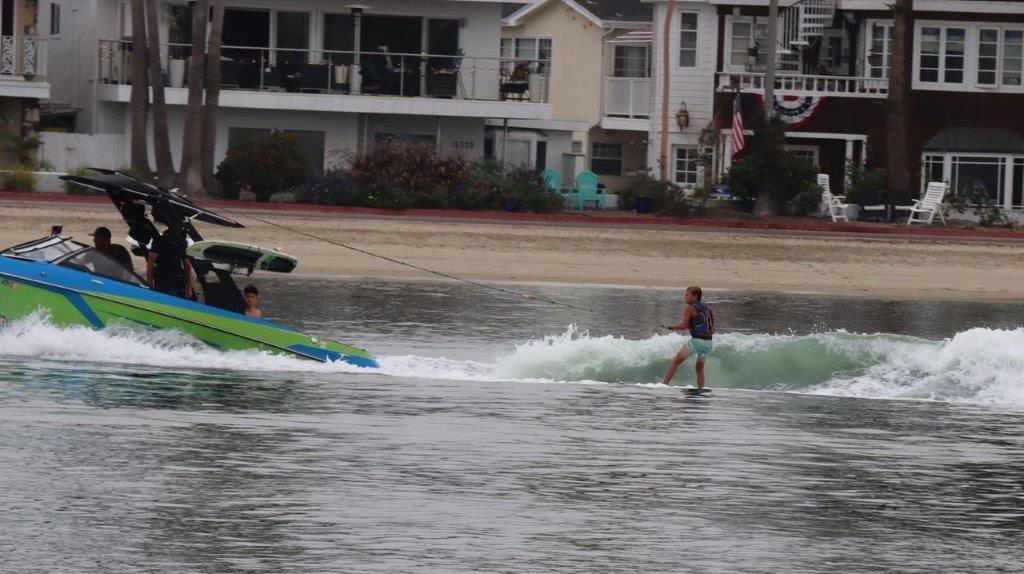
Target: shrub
(976,199)
(866,186)
(265,165)
(71,188)
(399,174)
(283,197)
(23,148)
(766,167)
(19,180)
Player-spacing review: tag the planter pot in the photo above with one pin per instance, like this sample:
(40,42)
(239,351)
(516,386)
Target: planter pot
(341,74)
(643,204)
(852,212)
(176,71)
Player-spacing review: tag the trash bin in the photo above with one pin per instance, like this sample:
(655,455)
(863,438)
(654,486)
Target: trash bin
(643,204)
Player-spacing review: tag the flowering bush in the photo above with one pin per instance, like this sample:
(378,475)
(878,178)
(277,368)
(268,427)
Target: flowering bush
(264,166)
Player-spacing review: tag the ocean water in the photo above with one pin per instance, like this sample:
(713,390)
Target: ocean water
(503,434)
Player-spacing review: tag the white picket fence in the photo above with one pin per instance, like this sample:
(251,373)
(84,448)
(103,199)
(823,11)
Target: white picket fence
(66,152)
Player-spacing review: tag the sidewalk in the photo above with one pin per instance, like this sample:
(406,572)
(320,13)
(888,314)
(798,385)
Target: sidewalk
(806,225)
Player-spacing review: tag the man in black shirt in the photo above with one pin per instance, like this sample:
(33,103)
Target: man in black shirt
(101,240)
(168,270)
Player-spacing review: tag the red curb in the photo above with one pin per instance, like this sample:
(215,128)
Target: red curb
(594,217)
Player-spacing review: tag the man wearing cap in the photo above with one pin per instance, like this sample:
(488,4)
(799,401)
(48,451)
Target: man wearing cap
(101,240)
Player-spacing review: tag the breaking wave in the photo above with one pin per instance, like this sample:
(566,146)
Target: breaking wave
(983,366)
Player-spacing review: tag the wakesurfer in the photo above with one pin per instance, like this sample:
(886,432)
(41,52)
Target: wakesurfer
(699,320)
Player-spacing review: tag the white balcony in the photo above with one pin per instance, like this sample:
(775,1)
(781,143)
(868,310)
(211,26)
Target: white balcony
(23,67)
(349,81)
(627,103)
(787,84)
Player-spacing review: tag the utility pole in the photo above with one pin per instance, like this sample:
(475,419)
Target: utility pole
(773,49)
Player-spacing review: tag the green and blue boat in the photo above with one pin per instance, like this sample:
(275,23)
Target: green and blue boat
(78,285)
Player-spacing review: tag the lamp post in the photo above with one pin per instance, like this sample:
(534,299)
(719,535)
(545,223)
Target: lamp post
(355,77)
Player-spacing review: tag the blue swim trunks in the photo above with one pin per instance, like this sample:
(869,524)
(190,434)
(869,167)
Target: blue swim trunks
(700,347)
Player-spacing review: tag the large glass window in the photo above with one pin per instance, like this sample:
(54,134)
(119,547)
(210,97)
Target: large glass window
(292,34)
(688,40)
(942,55)
(880,50)
(1013,57)
(311,143)
(934,166)
(632,62)
(972,174)
(687,165)
(1018,182)
(606,158)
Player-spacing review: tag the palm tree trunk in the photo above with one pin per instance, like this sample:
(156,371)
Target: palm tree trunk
(161,136)
(192,140)
(898,128)
(212,94)
(140,90)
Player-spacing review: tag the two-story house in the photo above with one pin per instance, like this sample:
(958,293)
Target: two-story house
(599,88)
(340,76)
(22,70)
(832,83)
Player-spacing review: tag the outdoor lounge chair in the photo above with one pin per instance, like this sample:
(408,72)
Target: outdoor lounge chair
(586,190)
(553,179)
(833,203)
(925,209)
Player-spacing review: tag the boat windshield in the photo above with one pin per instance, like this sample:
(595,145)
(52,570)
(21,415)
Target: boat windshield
(94,261)
(48,249)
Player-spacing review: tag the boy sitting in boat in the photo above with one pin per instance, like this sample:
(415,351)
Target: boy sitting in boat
(252,299)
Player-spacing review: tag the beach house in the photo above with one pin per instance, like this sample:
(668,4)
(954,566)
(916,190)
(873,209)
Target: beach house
(599,88)
(338,75)
(23,80)
(832,82)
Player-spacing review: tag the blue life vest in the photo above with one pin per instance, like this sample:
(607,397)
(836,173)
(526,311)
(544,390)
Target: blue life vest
(702,325)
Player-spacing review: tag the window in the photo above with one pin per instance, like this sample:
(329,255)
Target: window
(988,56)
(55,19)
(1013,57)
(98,263)
(606,158)
(746,36)
(292,37)
(807,152)
(536,52)
(686,171)
(742,40)
(979,174)
(934,168)
(688,40)
(1017,193)
(632,62)
(879,50)
(517,153)
(942,55)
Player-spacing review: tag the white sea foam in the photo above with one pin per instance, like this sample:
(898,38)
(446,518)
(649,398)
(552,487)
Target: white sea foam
(983,366)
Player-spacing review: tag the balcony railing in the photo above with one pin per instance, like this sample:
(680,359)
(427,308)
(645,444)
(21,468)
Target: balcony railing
(23,56)
(806,85)
(348,72)
(628,97)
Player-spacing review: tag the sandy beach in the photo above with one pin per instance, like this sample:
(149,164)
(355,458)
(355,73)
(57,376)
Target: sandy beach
(891,267)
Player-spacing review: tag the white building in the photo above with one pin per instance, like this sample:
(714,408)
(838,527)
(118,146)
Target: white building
(339,75)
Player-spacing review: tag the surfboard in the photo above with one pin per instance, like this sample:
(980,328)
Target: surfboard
(695,392)
(243,256)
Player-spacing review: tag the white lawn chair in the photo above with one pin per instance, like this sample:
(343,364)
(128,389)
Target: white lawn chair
(833,204)
(925,209)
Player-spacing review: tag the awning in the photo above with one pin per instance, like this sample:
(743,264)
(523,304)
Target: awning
(964,139)
(645,36)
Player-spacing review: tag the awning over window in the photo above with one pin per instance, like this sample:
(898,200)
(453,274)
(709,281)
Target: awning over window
(645,36)
(963,139)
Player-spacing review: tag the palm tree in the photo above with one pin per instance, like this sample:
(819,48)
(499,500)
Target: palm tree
(898,128)
(191,177)
(209,135)
(161,137)
(140,90)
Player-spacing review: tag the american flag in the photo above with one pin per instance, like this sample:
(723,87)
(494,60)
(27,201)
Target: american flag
(737,125)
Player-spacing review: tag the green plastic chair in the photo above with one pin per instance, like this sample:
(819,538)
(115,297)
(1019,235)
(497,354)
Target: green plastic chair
(586,189)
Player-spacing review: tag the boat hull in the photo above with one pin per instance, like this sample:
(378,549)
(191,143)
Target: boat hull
(76,298)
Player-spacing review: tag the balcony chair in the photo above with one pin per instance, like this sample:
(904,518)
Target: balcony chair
(314,77)
(445,81)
